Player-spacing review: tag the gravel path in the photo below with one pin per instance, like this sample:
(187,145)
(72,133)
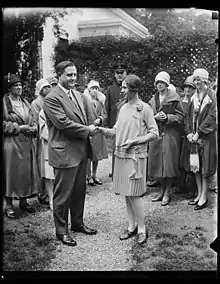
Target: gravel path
(106,212)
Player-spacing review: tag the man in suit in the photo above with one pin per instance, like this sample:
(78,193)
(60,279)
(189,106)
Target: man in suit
(113,97)
(70,123)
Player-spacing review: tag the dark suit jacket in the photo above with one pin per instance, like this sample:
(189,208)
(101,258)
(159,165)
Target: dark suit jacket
(112,98)
(68,128)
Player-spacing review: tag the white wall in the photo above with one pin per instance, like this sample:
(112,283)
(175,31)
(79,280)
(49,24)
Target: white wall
(47,48)
(84,14)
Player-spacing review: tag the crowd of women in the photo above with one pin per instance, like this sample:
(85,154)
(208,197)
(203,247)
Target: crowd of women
(171,137)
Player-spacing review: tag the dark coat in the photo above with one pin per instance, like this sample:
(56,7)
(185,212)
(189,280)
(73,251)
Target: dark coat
(112,98)
(163,156)
(68,128)
(207,127)
(21,171)
(98,141)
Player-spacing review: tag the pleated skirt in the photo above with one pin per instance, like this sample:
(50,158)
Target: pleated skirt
(129,178)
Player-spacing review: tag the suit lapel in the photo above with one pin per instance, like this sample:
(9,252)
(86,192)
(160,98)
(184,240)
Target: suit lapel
(70,104)
(79,100)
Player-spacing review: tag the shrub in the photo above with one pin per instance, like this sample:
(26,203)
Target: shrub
(178,55)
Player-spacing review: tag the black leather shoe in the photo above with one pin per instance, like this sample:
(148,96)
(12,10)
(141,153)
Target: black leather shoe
(84,229)
(66,240)
(42,200)
(110,175)
(91,181)
(26,207)
(97,181)
(128,234)
(192,202)
(199,207)
(10,213)
(142,237)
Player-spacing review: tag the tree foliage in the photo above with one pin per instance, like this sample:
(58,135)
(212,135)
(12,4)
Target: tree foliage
(171,21)
(179,56)
(21,32)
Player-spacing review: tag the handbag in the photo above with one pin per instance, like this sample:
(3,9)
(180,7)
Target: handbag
(194,158)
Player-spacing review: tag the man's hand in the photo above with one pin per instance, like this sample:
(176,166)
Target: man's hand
(93,129)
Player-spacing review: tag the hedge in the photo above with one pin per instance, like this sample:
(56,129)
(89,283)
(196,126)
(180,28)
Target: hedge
(179,55)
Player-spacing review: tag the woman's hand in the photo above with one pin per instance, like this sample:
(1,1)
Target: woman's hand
(195,137)
(24,128)
(98,121)
(127,144)
(189,137)
(161,116)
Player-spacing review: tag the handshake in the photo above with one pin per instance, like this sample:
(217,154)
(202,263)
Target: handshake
(105,131)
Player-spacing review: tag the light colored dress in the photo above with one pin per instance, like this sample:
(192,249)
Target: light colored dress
(46,170)
(129,176)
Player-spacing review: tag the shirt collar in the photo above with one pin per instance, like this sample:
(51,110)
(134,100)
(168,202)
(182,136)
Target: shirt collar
(64,89)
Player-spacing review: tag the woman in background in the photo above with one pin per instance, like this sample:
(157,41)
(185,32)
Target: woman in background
(201,135)
(47,171)
(20,130)
(98,141)
(43,87)
(163,158)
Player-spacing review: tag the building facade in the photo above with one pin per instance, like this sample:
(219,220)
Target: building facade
(86,22)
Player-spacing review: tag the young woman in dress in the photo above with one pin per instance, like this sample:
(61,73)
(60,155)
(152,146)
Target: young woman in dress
(134,128)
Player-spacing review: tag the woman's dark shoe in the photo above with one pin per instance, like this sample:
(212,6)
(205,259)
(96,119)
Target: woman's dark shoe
(26,207)
(192,202)
(142,237)
(10,213)
(42,200)
(128,234)
(90,181)
(153,183)
(97,181)
(199,207)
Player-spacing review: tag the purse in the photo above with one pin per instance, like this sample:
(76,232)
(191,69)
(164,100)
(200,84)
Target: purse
(194,158)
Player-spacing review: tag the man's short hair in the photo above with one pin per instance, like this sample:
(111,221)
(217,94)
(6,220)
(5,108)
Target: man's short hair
(60,68)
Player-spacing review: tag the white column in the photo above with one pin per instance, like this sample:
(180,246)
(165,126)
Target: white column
(47,47)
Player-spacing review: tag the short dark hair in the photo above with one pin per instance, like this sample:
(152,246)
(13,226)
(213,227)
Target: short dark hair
(133,82)
(60,68)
